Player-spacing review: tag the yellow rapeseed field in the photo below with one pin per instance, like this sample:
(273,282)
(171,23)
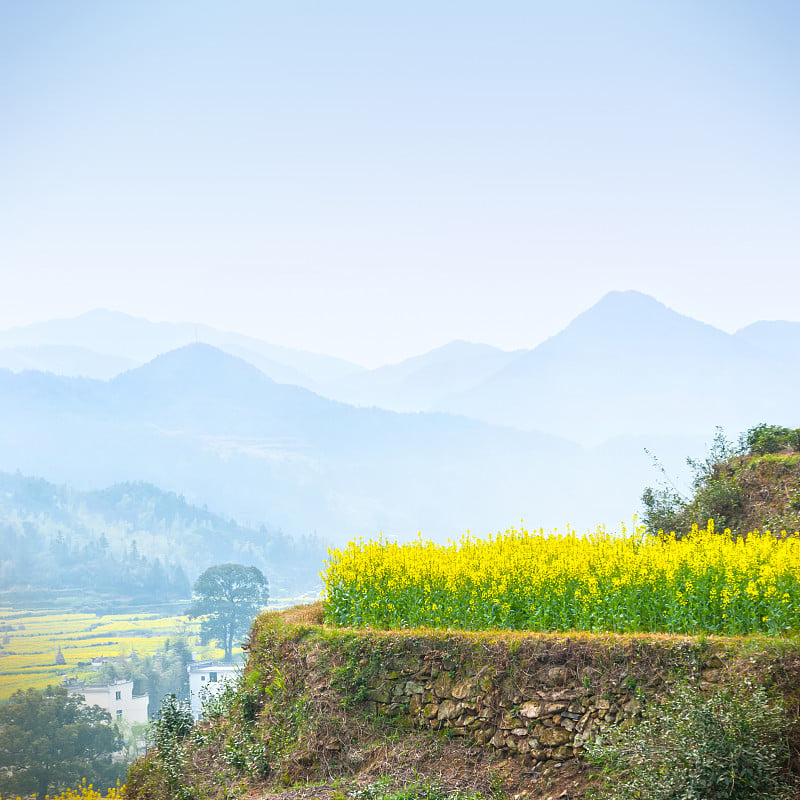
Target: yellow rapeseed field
(29,641)
(521,580)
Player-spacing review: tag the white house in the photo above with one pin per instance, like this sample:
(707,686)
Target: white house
(208,677)
(117,698)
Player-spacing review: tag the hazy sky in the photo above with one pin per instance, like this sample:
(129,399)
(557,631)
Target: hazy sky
(373,179)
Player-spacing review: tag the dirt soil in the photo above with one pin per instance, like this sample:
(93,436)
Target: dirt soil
(452,765)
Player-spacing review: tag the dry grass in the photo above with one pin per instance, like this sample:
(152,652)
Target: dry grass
(344,748)
(323,744)
(310,614)
(452,765)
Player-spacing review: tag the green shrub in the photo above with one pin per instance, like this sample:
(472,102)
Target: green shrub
(173,724)
(667,509)
(763,439)
(731,744)
(716,486)
(719,499)
(663,507)
(231,712)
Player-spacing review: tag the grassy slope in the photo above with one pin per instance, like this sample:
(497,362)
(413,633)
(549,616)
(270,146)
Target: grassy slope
(322,742)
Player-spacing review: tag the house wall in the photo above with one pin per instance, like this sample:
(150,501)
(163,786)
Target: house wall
(207,677)
(117,698)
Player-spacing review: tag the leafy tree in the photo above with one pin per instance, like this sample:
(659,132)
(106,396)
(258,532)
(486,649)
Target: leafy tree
(51,740)
(228,596)
(763,439)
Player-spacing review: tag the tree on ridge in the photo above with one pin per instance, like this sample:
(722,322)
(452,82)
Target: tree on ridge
(227,598)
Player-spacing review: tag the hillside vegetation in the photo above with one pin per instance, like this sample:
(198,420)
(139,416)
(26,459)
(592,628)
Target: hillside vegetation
(346,714)
(129,541)
(754,485)
(347,711)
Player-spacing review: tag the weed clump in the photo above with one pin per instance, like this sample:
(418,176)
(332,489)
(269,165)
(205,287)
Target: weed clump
(173,724)
(418,791)
(729,745)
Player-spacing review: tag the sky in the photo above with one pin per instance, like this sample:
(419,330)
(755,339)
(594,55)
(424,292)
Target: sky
(372,180)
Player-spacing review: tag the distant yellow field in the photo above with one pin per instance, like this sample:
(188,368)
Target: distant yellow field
(83,792)
(29,642)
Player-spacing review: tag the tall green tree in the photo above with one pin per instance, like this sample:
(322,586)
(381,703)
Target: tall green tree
(50,740)
(227,598)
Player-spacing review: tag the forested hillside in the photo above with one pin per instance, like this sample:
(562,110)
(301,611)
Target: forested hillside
(131,540)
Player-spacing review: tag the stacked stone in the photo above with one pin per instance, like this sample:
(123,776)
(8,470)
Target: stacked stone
(544,721)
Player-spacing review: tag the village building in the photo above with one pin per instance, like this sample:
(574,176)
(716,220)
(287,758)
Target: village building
(116,697)
(207,678)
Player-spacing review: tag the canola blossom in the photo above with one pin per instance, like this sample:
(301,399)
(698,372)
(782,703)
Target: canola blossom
(520,580)
(83,792)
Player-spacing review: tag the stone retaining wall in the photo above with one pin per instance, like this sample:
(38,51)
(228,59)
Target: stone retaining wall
(493,710)
(545,716)
(539,697)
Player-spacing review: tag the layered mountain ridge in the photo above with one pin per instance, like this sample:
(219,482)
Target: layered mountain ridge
(465,436)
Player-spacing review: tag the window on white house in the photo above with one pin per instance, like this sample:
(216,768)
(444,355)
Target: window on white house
(118,695)
(212,676)
(119,713)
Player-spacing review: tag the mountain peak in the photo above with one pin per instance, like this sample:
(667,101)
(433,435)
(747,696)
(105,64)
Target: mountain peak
(627,301)
(196,365)
(632,314)
(104,314)
(635,326)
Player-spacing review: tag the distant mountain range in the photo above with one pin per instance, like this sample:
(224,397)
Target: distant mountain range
(627,366)
(422,383)
(64,360)
(100,335)
(307,443)
(630,365)
(213,428)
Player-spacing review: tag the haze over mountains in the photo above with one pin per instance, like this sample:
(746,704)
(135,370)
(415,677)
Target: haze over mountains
(131,541)
(554,434)
(213,428)
(629,365)
(112,334)
(64,360)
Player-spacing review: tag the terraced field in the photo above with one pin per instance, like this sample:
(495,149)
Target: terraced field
(30,640)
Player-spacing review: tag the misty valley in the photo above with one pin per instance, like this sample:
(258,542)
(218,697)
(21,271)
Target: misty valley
(143,466)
